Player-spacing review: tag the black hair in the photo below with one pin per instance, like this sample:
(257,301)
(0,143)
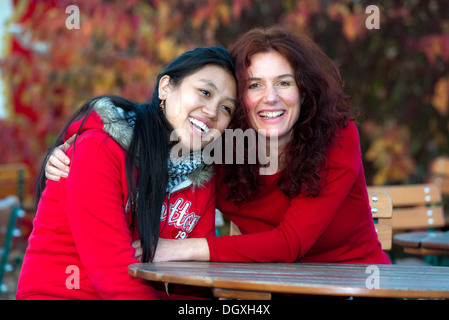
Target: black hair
(149,148)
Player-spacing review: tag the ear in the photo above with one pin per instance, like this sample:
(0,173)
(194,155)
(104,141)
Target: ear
(164,86)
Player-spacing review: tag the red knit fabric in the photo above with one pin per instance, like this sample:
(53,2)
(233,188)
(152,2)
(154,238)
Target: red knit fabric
(81,226)
(336,226)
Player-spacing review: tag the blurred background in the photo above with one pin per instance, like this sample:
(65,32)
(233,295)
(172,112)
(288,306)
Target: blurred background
(397,75)
(394,60)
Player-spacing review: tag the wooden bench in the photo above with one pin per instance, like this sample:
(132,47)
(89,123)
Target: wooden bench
(15,180)
(416,206)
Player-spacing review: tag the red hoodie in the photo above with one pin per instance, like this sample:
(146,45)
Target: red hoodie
(80,247)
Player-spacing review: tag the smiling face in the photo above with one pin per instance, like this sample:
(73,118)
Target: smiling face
(201,106)
(272,97)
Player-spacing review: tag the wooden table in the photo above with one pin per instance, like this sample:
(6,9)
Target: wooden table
(433,243)
(259,280)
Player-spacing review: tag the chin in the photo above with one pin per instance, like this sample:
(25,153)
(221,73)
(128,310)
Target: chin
(269,132)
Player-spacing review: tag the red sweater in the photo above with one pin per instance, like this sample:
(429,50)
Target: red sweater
(81,226)
(336,226)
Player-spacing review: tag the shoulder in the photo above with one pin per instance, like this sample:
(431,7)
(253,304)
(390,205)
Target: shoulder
(96,137)
(346,147)
(96,142)
(347,137)
(114,122)
(349,133)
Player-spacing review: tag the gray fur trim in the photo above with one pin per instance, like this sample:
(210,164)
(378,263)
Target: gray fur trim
(201,175)
(114,122)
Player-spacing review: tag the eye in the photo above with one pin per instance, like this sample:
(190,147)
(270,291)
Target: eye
(205,92)
(284,83)
(254,85)
(226,108)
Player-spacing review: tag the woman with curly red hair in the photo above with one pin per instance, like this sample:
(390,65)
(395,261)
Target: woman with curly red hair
(314,206)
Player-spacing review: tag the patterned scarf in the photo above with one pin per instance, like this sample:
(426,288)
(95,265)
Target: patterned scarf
(180,168)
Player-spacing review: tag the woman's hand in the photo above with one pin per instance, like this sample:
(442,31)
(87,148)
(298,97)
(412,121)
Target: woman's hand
(177,250)
(137,245)
(57,166)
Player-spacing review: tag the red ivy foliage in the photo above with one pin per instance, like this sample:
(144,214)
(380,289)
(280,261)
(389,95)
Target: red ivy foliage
(397,75)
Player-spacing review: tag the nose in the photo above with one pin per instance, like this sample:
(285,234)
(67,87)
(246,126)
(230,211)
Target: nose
(271,95)
(210,110)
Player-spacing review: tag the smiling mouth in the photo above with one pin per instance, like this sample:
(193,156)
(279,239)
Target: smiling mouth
(199,125)
(271,115)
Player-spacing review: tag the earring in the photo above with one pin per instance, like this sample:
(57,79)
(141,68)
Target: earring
(162,105)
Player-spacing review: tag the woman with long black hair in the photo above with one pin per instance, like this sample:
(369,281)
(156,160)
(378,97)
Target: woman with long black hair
(123,177)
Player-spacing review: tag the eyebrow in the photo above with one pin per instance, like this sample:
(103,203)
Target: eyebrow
(284,75)
(211,84)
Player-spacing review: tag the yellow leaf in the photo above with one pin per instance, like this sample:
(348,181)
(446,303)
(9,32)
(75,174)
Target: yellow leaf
(224,13)
(349,27)
(380,177)
(440,99)
(167,49)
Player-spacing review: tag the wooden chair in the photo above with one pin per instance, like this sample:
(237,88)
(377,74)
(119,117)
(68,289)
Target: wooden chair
(15,180)
(414,206)
(234,230)
(382,208)
(9,211)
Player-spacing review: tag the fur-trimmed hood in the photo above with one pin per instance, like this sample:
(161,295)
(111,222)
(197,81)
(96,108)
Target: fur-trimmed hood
(115,124)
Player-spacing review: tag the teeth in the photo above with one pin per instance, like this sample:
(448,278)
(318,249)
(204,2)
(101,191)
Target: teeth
(271,115)
(199,124)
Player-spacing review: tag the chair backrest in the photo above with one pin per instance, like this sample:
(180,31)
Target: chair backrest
(381,209)
(415,206)
(9,211)
(439,173)
(15,180)
(233,229)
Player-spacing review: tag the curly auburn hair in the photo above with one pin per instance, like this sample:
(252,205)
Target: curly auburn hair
(324,110)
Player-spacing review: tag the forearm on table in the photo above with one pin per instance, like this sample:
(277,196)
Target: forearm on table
(180,250)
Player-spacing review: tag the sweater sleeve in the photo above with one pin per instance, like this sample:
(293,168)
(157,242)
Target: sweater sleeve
(95,210)
(306,218)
